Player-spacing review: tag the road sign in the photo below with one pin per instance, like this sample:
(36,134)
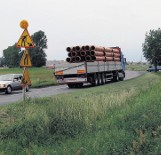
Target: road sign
(25,40)
(26,79)
(25,60)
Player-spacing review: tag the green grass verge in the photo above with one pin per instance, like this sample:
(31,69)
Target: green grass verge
(40,77)
(119,118)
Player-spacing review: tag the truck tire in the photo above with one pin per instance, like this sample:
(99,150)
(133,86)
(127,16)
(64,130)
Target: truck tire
(122,78)
(103,78)
(99,79)
(71,85)
(79,85)
(95,80)
(115,77)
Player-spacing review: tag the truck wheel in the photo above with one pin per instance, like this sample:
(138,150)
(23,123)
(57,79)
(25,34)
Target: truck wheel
(122,78)
(8,90)
(115,77)
(103,79)
(95,80)
(99,79)
(71,85)
(79,85)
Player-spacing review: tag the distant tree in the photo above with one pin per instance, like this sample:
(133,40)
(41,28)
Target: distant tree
(2,61)
(37,54)
(152,47)
(11,56)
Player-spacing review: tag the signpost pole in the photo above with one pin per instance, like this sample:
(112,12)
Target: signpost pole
(26,42)
(24,89)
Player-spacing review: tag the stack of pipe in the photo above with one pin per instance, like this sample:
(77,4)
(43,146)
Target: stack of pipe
(92,53)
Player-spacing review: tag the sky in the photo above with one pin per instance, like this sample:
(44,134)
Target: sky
(106,23)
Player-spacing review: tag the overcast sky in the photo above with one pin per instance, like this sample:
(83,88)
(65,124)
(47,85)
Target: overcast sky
(66,23)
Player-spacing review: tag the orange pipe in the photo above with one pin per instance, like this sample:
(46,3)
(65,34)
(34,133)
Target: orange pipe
(109,58)
(117,55)
(96,48)
(98,58)
(88,58)
(68,59)
(96,53)
(69,49)
(83,53)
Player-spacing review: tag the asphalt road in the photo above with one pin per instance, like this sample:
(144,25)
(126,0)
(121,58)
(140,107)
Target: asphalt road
(49,91)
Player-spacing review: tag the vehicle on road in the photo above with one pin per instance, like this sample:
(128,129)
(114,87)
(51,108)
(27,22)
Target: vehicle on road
(152,68)
(11,82)
(97,67)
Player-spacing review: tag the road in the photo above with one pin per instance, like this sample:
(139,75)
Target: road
(48,91)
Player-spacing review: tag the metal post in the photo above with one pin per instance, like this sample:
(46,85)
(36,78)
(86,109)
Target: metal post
(24,89)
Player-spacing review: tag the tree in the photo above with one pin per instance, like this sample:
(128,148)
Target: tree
(37,54)
(152,47)
(2,61)
(11,56)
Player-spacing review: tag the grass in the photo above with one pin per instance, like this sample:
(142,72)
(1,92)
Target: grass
(122,118)
(40,77)
(137,67)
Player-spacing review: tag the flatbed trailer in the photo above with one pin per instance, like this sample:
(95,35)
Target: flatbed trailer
(95,73)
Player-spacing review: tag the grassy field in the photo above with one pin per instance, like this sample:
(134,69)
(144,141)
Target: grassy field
(137,67)
(40,77)
(118,118)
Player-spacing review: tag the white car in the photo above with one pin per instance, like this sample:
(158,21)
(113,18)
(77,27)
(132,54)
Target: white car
(10,82)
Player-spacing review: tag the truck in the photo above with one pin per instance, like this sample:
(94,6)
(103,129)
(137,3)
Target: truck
(96,72)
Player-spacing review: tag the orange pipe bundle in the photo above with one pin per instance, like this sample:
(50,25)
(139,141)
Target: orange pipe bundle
(93,53)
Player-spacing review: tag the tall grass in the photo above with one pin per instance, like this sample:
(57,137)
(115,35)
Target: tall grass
(122,118)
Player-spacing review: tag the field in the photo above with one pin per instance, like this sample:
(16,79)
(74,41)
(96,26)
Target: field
(137,67)
(40,77)
(118,118)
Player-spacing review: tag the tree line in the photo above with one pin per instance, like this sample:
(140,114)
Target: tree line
(12,55)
